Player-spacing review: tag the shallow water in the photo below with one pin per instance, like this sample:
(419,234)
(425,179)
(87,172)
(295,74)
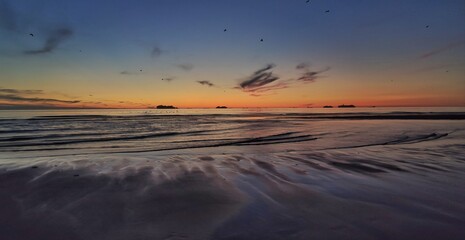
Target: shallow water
(233,174)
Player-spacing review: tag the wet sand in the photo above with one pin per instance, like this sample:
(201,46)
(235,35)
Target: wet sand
(332,194)
(278,176)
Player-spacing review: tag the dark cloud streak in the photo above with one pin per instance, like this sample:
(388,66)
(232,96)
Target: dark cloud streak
(129,73)
(263,80)
(168,79)
(156,52)
(259,79)
(27,96)
(18,91)
(302,66)
(17,98)
(206,83)
(443,49)
(309,76)
(186,66)
(54,39)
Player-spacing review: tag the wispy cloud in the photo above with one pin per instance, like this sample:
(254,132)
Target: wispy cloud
(308,105)
(185,66)
(10,21)
(168,79)
(301,66)
(308,75)
(259,79)
(54,39)
(130,72)
(206,83)
(433,68)
(156,52)
(19,91)
(264,80)
(17,98)
(443,49)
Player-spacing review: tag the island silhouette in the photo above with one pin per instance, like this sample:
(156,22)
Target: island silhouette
(346,106)
(166,107)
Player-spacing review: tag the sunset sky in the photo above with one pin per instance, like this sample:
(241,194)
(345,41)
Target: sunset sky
(238,53)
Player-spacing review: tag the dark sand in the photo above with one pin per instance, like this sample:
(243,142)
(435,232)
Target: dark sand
(278,176)
(318,195)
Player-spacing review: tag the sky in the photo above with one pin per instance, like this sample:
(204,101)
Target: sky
(236,53)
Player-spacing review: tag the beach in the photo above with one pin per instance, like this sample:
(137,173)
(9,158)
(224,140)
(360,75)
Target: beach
(249,174)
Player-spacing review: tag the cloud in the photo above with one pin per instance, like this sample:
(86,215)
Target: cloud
(308,105)
(302,66)
(26,99)
(263,80)
(54,39)
(433,68)
(206,83)
(8,19)
(309,76)
(186,66)
(443,49)
(168,79)
(129,73)
(18,91)
(17,98)
(156,52)
(259,79)
(126,72)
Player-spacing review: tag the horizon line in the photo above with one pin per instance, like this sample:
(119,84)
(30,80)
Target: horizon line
(179,108)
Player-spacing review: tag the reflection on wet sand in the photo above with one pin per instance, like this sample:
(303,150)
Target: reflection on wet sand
(339,194)
(244,176)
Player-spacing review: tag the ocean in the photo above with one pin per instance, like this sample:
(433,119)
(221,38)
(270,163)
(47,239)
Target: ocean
(352,173)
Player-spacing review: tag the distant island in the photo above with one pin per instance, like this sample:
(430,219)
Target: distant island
(221,107)
(166,107)
(327,106)
(346,106)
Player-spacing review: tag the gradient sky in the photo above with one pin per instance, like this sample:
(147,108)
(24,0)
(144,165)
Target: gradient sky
(135,54)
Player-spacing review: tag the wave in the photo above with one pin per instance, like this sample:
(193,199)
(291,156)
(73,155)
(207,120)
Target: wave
(351,115)
(282,138)
(381,116)
(402,140)
(104,139)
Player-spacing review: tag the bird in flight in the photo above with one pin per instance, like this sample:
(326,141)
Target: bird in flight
(261,40)
(32,35)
